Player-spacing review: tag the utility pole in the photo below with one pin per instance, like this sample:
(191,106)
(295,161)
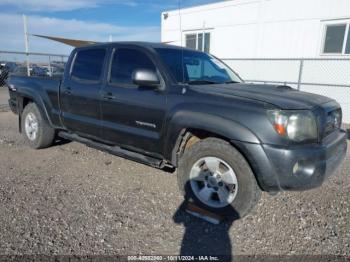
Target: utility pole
(26,43)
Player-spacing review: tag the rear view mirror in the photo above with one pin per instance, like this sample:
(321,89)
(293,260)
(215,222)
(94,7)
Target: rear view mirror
(191,61)
(145,77)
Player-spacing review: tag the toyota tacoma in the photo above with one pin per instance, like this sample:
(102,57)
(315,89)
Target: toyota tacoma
(175,108)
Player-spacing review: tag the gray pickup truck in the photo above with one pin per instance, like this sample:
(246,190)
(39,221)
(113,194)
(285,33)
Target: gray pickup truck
(170,107)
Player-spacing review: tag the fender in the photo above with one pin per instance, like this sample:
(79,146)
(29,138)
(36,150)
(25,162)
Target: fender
(27,93)
(188,119)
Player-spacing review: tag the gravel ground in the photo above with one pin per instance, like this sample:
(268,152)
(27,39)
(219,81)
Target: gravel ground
(71,199)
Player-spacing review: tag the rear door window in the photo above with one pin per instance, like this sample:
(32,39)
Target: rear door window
(88,64)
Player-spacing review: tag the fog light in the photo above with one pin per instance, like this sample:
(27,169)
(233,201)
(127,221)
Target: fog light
(303,168)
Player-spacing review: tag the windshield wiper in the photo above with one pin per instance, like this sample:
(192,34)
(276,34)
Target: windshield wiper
(201,82)
(231,82)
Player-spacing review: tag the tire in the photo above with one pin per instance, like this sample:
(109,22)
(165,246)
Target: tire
(45,134)
(241,197)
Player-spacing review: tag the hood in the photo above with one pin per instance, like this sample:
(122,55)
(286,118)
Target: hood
(283,97)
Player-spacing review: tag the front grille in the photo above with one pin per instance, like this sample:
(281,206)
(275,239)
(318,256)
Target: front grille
(333,121)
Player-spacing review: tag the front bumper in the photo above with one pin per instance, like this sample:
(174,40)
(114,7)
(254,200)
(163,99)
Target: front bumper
(298,167)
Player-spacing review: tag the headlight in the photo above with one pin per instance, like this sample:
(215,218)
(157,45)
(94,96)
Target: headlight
(295,125)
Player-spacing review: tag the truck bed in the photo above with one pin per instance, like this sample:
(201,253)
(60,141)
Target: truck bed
(42,90)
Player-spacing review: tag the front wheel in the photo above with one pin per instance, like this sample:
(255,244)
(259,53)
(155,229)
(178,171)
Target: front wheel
(216,177)
(37,132)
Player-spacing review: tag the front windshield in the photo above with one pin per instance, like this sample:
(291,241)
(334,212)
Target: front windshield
(194,67)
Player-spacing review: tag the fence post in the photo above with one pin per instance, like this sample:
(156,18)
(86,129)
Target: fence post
(50,70)
(301,66)
(26,43)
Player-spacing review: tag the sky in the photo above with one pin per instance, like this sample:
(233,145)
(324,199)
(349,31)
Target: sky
(91,20)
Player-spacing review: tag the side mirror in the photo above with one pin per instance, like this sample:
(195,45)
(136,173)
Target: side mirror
(145,77)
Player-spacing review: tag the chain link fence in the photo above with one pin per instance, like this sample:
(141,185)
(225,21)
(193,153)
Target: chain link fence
(329,77)
(31,64)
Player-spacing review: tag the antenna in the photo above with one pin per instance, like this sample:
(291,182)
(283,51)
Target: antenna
(203,37)
(182,48)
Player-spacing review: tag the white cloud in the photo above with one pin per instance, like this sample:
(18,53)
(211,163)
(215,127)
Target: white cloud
(61,5)
(12,38)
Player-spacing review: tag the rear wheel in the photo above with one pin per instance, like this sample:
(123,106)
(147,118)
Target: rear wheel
(216,177)
(37,132)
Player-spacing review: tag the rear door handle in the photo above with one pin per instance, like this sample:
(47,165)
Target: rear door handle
(108,96)
(67,91)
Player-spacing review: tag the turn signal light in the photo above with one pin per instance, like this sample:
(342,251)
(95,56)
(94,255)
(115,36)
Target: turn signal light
(280,129)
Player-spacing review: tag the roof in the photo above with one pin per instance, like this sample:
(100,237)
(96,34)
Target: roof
(193,7)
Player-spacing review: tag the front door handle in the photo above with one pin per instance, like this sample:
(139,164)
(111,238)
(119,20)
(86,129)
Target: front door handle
(108,96)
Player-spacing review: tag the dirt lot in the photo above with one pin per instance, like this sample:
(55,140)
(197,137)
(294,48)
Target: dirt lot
(70,199)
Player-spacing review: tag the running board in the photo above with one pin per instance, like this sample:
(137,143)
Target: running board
(115,150)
